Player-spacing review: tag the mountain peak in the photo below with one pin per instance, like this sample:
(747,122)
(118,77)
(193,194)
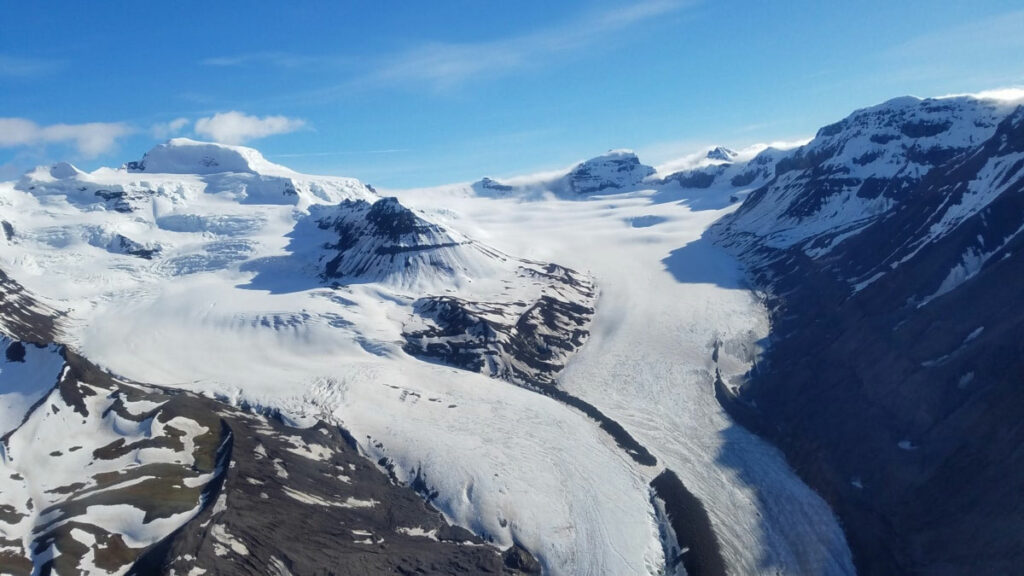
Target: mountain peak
(52,172)
(613,170)
(186,156)
(62,170)
(721,153)
(386,242)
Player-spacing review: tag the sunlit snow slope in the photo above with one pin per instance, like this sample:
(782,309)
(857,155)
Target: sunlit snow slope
(207,268)
(219,289)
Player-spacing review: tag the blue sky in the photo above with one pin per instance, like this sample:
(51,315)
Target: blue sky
(416,93)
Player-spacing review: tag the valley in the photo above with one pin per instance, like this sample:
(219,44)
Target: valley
(603,370)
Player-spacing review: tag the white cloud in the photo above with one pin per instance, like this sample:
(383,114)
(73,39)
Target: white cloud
(1012,94)
(90,139)
(236,128)
(17,132)
(165,130)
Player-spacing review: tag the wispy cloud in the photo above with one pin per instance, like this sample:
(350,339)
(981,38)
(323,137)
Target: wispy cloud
(91,139)
(236,127)
(164,130)
(669,157)
(444,65)
(12,66)
(984,51)
(344,153)
(275,59)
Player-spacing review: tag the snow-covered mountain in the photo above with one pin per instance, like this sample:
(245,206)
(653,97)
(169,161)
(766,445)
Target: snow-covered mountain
(889,248)
(206,269)
(862,168)
(180,170)
(388,243)
(98,471)
(713,179)
(612,172)
(721,153)
(616,170)
(214,364)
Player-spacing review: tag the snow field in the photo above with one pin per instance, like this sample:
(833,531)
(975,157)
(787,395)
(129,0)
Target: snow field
(507,463)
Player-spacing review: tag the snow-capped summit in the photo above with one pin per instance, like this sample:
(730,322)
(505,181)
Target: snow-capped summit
(861,167)
(63,170)
(613,171)
(609,173)
(182,171)
(489,184)
(357,241)
(52,172)
(721,153)
(186,156)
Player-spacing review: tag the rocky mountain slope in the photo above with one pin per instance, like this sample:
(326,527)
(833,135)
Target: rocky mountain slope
(889,251)
(177,483)
(101,475)
(526,342)
(385,242)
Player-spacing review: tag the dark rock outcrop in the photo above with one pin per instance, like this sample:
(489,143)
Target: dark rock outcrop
(699,551)
(523,342)
(120,200)
(304,501)
(387,241)
(121,244)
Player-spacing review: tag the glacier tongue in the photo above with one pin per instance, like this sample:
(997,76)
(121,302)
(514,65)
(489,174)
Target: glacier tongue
(666,298)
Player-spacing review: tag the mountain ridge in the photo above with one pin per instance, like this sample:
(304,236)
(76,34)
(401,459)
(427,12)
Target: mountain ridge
(909,311)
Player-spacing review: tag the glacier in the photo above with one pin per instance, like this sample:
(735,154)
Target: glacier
(217,290)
